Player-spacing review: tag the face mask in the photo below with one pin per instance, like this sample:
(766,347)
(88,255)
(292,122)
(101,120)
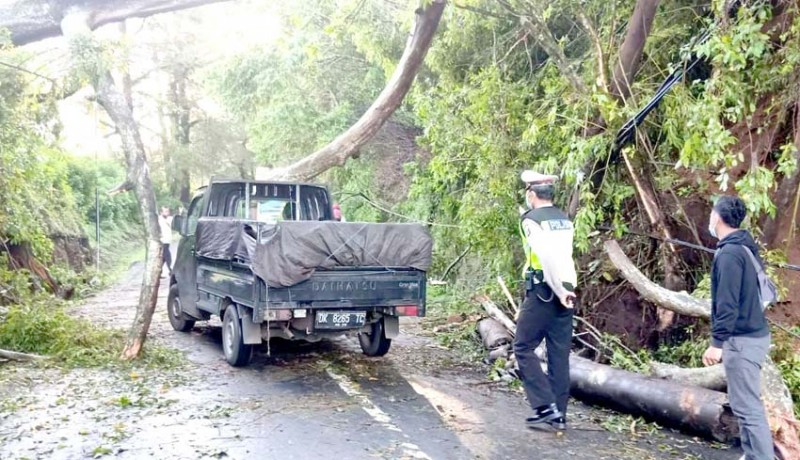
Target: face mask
(527,200)
(712,225)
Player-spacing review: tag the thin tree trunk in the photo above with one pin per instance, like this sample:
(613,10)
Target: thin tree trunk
(116,105)
(348,143)
(671,263)
(113,101)
(177,170)
(787,198)
(630,53)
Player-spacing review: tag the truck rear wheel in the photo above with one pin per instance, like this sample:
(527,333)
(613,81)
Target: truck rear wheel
(375,343)
(177,318)
(236,352)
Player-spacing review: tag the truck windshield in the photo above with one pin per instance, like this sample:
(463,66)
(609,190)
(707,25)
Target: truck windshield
(267,210)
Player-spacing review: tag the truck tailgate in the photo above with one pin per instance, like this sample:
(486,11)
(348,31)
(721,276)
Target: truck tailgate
(353,287)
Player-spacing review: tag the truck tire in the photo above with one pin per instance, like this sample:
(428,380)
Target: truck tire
(236,352)
(177,318)
(375,343)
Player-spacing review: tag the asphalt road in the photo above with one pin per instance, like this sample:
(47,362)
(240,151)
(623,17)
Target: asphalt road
(295,401)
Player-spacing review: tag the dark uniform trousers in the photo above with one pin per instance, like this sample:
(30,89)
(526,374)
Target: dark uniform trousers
(542,317)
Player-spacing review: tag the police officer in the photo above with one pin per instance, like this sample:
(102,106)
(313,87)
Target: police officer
(546,313)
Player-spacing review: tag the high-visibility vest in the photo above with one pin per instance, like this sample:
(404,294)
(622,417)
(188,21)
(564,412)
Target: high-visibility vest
(532,261)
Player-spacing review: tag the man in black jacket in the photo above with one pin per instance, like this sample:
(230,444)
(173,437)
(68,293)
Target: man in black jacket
(739,331)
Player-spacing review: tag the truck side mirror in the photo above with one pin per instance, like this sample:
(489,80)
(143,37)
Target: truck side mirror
(177,224)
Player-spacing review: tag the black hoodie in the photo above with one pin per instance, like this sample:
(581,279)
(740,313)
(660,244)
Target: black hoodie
(735,307)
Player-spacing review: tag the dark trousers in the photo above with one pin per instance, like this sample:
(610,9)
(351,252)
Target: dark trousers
(167,256)
(540,320)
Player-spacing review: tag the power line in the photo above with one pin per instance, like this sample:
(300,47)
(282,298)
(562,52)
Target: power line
(698,247)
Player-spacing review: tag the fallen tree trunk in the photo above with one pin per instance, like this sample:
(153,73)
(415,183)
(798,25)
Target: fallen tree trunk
(775,393)
(694,409)
(495,312)
(16,356)
(493,333)
(338,151)
(679,302)
(712,378)
(697,410)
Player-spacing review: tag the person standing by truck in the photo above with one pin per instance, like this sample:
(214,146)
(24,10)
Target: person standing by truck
(165,224)
(337,213)
(546,313)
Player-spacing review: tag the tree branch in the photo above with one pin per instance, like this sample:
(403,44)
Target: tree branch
(679,302)
(348,143)
(598,47)
(16,356)
(538,29)
(126,186)
(32,21)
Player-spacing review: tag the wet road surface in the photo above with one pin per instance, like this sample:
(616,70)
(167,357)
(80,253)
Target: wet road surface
(302,401)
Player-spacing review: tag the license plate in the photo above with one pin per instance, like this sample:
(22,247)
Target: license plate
(340,319)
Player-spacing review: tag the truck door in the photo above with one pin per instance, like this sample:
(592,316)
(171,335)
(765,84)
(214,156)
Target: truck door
(186,262)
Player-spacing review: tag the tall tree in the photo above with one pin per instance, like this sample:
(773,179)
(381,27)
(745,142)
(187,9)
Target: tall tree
(88,54)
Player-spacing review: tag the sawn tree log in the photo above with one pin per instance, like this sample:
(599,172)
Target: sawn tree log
(693,409)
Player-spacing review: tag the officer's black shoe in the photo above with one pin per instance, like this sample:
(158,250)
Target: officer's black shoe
(559,423)
(546,415)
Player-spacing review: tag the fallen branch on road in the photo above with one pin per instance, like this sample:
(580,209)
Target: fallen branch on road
(17,356)
(496,313)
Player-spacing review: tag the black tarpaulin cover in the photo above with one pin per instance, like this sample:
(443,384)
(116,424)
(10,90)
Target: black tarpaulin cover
(289,252)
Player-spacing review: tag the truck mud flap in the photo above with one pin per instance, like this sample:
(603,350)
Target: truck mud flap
(251,331)
(391,326)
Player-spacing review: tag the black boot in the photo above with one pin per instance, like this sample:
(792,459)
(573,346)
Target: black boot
(547,415)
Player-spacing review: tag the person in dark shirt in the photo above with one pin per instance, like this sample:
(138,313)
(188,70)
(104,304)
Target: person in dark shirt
(740,335)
